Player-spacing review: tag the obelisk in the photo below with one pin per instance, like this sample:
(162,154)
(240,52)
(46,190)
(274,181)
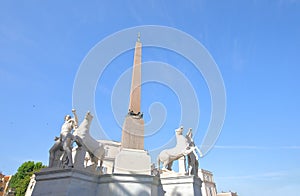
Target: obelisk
(133,127)
(133,159)
(135,91)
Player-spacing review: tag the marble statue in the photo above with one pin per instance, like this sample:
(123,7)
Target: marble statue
(93,147)
(62,147)
(61,151)
(193,162)
(181,149)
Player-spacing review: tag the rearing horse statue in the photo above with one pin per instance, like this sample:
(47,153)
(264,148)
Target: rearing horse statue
(82,133)
(167,156)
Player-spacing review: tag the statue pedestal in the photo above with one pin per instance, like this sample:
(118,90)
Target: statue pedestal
(133,133)
(132,161)
(74,182)
(181,185)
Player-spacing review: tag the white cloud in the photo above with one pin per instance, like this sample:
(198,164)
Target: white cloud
(258,147)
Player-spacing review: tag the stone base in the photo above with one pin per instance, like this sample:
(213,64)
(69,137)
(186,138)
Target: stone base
(73,182)
(181,185)
(132,161)
(133,133)
(55,181)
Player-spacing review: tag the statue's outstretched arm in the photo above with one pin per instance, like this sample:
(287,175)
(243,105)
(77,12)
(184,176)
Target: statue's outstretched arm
(75,118)
(200,153)
(189,134)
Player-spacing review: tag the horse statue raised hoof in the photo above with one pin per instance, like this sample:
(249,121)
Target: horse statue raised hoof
(167,156)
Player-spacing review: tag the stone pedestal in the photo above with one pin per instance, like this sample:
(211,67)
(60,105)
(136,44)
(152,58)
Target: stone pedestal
(133,132)
(59,182)
(73,182)
(181,185)
(132,161)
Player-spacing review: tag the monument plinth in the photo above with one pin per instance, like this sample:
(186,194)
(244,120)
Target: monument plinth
(133,132)
(135,161)
(132,157)
(74,182)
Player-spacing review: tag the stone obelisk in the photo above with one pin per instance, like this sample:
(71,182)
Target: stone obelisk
(133,127)
(133,159)
(135,91)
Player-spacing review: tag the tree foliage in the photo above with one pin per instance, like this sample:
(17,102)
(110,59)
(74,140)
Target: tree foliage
(21,179)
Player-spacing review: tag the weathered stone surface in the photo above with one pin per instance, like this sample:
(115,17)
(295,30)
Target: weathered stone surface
(132,161)
(73,182)
(133,133)
(62,182)
(181,185)
(135,92)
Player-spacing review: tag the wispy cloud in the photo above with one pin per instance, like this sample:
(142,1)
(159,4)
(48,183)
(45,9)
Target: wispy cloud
(11,33)
(281,3)
(266,175)
(258,147)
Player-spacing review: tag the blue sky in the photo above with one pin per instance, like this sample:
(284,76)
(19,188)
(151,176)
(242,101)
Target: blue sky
(254,43)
